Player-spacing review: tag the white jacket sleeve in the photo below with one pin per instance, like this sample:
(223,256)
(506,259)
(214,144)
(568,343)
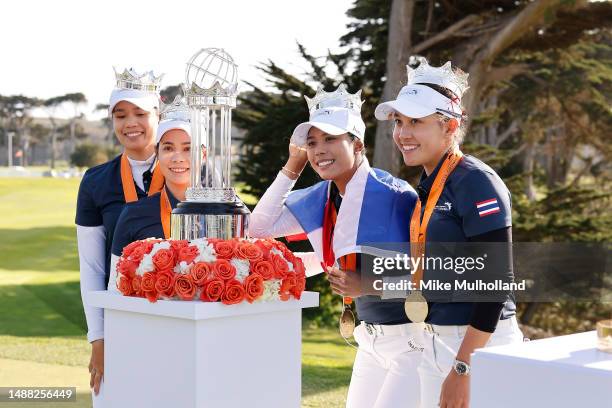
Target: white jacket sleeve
(312,264)
(91,243)
(271,218)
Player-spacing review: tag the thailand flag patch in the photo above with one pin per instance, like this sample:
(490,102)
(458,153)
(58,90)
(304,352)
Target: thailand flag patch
(487,207)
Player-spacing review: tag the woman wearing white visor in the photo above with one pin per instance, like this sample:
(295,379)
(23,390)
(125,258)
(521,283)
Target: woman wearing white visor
(353,205)
(461,200)
(104,190)
(150,217)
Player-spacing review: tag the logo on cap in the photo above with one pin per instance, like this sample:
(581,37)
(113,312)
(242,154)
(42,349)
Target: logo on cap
(410,91)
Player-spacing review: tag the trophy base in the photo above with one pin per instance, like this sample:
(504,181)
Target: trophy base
(191,220)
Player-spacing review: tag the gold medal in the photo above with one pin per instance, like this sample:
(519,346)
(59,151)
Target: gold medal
(347,322)
(416,307)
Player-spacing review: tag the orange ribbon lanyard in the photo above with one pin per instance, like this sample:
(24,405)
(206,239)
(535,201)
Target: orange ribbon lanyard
(127,180)
(165,209)
(418,227)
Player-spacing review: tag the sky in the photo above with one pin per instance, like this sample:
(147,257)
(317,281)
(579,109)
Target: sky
(50,48)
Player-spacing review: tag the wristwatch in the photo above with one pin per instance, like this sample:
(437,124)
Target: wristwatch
(461,367)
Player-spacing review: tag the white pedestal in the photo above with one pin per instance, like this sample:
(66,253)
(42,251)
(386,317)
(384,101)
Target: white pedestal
(196,354)
(565,371)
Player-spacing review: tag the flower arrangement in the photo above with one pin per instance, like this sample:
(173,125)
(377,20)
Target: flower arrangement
(211,270)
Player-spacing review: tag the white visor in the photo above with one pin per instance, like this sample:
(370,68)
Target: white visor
(146,101)
(417,101)
(170,124)
(333,121)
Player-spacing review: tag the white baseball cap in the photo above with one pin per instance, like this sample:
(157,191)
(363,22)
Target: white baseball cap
(145,100)
(331,120)
(169,124)
(418,101)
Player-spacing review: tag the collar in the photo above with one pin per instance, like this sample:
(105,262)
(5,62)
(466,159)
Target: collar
(149,162)
(426,181)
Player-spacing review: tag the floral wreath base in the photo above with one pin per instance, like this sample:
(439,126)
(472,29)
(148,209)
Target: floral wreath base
(211,270)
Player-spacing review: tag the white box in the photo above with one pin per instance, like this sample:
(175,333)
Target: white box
(198,354)
(566,371)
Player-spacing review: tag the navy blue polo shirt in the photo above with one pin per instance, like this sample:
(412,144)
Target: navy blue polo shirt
(101,200)
(140,220)
(474,201)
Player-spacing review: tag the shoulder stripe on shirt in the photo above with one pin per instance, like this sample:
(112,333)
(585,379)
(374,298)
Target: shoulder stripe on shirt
(488,207)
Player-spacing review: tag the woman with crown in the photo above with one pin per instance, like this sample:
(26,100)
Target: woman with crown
(461,200)
(150,217)
(105,189)
(338,215)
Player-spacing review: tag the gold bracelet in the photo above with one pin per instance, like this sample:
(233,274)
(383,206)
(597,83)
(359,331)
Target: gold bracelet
(292,172)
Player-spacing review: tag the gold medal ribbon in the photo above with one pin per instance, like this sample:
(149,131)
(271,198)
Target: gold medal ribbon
(165,209)
(418,226)
(127,180)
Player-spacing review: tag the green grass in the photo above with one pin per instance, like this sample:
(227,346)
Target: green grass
(42,327)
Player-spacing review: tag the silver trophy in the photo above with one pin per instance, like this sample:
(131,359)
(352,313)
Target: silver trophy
(212,209)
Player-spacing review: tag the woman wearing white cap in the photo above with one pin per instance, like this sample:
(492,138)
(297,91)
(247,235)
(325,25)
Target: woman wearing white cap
(461,200)
(150,217)
(104,190)
(338,215)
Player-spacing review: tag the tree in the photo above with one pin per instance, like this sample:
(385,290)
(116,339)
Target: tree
(88,155)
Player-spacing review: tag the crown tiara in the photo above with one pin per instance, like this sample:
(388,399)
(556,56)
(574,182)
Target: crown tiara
(339,98)
(176,110)
(130,79)
(442,76)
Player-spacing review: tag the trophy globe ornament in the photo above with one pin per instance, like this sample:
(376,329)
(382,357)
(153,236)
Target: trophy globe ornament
(212,209)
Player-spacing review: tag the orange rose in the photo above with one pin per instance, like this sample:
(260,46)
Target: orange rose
(280,266)
(224,270)
(176,245)
(127,267)
(184,287)
(264,268)
(125,286)
(253,287)
(300,286)
(265,248)
(201,272)
(234,293)
(151,295)
(129,248)
(287,285)
(249,251)
(298,266)
(164,284)
(136,286)
(212,290)
(148,245)
(164,259)
(148,281)
(224,249)
(188,254)
(289,256)
(138,253)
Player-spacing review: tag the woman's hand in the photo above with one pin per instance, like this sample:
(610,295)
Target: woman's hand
(296,162)
(96,365)
(345,283)
(455,391)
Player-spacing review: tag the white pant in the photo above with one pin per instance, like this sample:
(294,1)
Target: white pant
(441,346)
(385,368)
